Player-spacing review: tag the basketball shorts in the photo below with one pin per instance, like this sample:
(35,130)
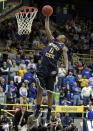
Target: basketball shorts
(47,77)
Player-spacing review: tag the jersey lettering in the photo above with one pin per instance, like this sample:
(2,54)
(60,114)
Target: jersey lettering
(55,46)
(50,55)
(51,50)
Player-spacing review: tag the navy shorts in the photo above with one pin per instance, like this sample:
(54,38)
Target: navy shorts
(47,77)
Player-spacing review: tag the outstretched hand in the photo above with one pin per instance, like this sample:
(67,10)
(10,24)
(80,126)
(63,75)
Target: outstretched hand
(47,22)
(47,28)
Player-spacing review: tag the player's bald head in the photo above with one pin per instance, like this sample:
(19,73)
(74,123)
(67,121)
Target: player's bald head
(61,38)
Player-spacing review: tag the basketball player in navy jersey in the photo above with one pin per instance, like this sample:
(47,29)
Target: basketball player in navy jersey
(48,70)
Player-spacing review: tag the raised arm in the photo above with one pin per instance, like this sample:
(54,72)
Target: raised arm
(65,58)
(48,31)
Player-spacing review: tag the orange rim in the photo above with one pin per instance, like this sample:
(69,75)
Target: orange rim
(35,9)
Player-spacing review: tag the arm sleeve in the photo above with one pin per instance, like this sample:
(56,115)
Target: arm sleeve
(11,69)
(6,70)
(16,90)
(6,90)
(52,41)
(20,92)
(26,93)
(73,89)
(63,122)
(82,92)
(25,77)
(82,72)
(66,80)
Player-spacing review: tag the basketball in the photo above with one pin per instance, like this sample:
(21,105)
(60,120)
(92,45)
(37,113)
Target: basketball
(47,10)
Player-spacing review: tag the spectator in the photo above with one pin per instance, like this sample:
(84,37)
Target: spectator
(22,71)
(28,76)
(27,60)
(56,124)
(22,65)
(53,122)
(57,96)
(36,41)
(79,75)
(61,76)
(81,103)
(3,84)
(36,126)
(18,60)
(17,77)
(62,95)
(90,113)
(88,107)
(76,92)
(85,94)
(90,104)
(32,64)
(59,123)
(9,63)
(70,79)
(32,70)
(18,85)
(10,98)
(32,92)
(65,102)
(90,84)
(83,81)
(67,123)
(69,95)
(79,67)
(2,96)
(4,71)
(37,56)
(14,89)
(5,123)
(39,63)
(20,119)
(13,70)
(91,78)
(27,84)
(23,94)
(86,71)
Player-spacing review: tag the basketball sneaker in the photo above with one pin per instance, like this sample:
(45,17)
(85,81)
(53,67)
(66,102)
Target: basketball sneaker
(48,118)
(37,115)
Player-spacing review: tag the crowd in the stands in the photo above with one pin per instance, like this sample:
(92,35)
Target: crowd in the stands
(80,32)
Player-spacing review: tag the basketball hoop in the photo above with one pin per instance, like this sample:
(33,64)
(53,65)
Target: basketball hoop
(25,19)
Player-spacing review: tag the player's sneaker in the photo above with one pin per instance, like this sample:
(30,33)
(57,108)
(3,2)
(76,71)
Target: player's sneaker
(48,118)
(37,115)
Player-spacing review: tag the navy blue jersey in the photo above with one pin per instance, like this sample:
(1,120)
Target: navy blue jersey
(52,53)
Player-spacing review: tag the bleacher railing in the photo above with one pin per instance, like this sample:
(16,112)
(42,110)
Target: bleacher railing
(76,57)
(57,108)
(85,58)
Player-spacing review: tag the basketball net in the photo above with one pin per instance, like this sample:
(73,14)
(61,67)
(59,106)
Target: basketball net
(25,19)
